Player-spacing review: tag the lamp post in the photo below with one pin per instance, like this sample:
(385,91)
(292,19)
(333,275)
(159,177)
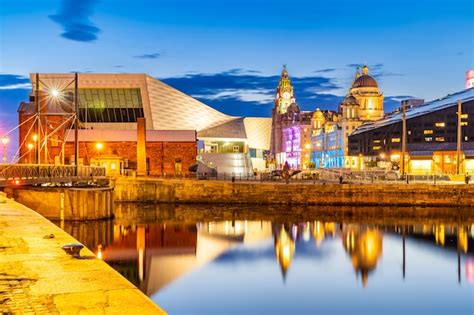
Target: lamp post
(5,140)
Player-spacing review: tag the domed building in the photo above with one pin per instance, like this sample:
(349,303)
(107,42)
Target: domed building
(366,92)
(363,103)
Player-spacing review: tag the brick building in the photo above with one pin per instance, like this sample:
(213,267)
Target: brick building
(108,109)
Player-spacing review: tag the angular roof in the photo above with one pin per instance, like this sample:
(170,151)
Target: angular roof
(439,104)
(165,107)
(232,129)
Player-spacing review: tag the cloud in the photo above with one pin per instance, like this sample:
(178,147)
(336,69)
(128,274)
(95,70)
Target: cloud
(13,82)
(73,17)
(244,92)
(376,70)
(327,70)
(149,56)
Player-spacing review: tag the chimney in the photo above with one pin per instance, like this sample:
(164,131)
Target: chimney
(141,147)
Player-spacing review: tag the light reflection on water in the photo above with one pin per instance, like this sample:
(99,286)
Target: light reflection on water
(241,260)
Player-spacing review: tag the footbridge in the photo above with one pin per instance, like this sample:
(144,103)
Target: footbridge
(35,174)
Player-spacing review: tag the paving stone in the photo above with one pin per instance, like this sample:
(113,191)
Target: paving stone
(37,277)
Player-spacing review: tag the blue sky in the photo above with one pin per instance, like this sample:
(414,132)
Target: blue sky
(229,53)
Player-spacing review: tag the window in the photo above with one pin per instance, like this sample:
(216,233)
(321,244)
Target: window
(110,105)
(464,115)
(428,132)
(409,132)
(396,140)
(464,123)
(447,159)
(428,139)
(440,124)
(370,104)
(376,141)
(376,147)
(439,139)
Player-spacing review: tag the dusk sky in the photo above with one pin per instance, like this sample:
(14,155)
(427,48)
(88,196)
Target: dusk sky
(229,54)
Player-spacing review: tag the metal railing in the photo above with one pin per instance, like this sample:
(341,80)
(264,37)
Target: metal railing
(27,174)
(336,176)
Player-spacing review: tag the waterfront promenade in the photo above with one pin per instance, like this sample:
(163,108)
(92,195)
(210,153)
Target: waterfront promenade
(38,277)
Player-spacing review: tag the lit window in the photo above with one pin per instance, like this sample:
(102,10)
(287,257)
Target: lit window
(370,104)
(396,140)
(376,147)
(376,141)
(464,123)
(409,132)
(428,132)
(447,159)
(439,139)
(440,124)
(428,139)
(466,138)
(464,115)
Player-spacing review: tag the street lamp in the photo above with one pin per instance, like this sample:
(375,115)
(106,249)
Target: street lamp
(54,93)
(99,146)
(35,138)
(4,142)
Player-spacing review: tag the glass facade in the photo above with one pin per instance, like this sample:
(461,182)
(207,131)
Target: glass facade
(110,105)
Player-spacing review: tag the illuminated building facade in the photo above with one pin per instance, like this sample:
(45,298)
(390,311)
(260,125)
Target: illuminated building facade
(329,137)
(431,145)
(327,140)
(111,104)
(291,128)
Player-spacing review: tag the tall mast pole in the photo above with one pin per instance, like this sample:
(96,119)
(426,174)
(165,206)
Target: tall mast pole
(404,137)
(76,126)
(458,148)
(38,121)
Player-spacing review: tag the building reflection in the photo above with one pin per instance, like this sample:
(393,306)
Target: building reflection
(284,250)
(364,246)
(154,255)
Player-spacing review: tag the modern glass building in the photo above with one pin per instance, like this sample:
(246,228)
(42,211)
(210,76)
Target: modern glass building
(111,102)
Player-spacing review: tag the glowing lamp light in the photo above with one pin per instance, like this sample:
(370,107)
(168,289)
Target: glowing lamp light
(16,182)
(5,140)
(35,138)
(30,146)
(55,93)
(99,146)
(99,253)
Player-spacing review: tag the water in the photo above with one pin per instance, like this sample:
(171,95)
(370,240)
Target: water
(303,260)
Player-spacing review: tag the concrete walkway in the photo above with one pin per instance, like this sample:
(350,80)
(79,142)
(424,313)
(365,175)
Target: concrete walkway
(37,277)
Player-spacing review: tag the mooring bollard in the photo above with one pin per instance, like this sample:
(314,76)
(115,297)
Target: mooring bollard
(73,249)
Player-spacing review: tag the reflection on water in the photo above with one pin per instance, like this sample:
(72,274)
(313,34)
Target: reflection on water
(189,258)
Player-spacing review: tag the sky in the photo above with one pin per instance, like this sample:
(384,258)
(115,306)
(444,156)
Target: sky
(229,54)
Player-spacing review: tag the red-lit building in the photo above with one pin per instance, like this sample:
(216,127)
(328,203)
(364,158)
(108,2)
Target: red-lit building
(110,110)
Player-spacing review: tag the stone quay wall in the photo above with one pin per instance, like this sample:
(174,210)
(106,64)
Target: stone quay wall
(66,203)
(194,191)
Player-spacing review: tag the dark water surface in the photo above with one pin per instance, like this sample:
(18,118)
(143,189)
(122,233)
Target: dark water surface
(194,259)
